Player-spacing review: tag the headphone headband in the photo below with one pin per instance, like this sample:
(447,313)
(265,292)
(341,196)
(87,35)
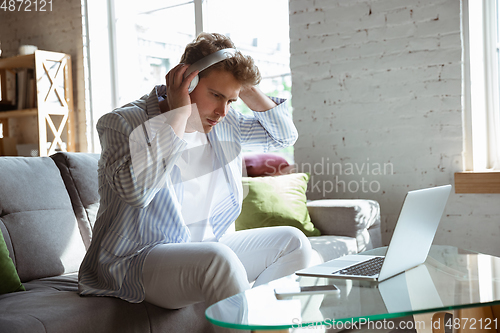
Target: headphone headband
(208,61)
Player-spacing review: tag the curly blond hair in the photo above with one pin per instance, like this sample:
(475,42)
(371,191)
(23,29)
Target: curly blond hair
(242,67)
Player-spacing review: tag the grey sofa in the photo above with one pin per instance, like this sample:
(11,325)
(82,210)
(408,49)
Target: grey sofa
(48,206)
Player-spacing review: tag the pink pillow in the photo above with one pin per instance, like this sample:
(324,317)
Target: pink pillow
(265,164)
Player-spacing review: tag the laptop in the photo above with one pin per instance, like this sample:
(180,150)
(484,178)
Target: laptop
(410,244)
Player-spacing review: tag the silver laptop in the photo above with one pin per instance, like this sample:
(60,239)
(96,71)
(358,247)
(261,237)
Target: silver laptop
(410,244)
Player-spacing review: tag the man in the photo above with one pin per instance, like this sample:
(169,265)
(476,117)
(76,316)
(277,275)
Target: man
(170,186)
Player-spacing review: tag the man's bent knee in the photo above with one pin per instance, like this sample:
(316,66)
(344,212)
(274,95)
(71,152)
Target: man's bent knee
(299,244)
(223,263)
(224,274)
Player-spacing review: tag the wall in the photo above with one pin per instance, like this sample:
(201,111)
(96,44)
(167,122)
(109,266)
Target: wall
(59,30)
(377,96)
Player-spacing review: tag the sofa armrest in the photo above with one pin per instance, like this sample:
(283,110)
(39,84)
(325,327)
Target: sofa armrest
(355,218)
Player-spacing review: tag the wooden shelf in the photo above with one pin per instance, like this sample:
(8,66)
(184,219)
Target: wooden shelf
(22,61)
(18,113)
(54,97)
(477,182)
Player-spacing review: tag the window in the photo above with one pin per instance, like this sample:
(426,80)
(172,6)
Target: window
(481,31)
(482,110)
(146,41)
(149,41)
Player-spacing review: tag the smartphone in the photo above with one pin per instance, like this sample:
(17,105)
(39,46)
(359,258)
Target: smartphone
(306,290)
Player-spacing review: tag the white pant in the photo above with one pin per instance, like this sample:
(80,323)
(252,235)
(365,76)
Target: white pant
(177,275)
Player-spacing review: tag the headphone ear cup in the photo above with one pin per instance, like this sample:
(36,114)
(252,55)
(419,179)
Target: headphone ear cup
(193,84)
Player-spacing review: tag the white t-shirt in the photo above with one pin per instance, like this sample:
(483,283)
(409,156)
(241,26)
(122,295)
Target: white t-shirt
(204,188)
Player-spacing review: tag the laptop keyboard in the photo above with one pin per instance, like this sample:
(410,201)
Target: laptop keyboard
(365,268)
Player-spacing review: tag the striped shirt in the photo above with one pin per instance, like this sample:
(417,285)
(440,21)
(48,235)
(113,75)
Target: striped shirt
(141,190)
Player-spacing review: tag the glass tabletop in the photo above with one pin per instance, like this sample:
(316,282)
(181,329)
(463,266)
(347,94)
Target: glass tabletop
(450,278)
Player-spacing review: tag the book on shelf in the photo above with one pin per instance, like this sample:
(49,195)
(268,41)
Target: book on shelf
(22,77)
(31,90)
(26,89)
(7,89)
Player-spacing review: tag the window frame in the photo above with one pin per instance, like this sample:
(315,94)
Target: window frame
(483,68)
(94,98)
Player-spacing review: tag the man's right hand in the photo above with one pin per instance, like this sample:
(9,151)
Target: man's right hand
(177,86)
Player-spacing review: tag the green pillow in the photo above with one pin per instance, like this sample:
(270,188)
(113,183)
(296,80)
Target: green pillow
(276,201)
(9,280)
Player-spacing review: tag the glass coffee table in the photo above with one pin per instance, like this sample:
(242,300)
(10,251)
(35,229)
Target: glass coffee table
(450,279)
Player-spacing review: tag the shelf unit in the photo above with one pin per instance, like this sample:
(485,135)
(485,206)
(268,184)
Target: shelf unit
(54,96)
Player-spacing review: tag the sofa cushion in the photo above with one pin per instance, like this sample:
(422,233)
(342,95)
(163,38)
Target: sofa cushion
(9,280)
(36,212)
(53,305)
(331,247)
(8,243)
(79,173)
(356,218)
(264,164)
(276,201)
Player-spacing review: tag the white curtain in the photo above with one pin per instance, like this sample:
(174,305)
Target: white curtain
(482,111)
(492,58)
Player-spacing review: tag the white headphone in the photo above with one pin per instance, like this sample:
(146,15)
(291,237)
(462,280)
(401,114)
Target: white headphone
(206,62)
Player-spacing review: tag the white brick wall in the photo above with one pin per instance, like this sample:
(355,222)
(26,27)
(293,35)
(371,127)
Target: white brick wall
(379,82)
(59,30)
